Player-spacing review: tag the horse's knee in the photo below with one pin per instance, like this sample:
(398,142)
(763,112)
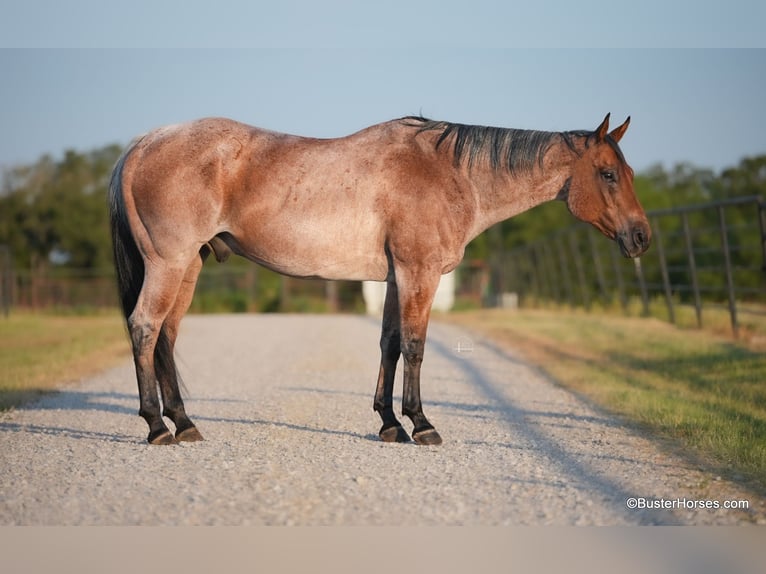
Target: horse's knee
(412,350)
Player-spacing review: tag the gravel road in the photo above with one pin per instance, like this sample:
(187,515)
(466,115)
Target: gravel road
(285,405)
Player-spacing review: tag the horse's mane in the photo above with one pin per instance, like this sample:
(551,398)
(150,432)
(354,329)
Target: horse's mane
(514,149)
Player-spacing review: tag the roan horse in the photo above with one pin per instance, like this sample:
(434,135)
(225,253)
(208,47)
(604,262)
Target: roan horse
(395,202)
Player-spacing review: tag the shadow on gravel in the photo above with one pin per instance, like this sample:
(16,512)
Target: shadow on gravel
(518,418)
(67,433)
(73,400)
(473,410)
(280,424)
(112,402)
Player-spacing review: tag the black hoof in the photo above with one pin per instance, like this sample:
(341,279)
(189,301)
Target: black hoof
(163,438)
(394,434)
(427,437)
(190,434)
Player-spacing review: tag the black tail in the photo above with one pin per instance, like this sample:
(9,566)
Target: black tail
(129,265)
(127,259)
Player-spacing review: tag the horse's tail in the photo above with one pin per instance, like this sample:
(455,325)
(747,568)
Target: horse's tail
(129,265)
(128,262)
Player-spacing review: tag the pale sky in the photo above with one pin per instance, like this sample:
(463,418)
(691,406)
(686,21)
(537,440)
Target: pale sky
(328,69)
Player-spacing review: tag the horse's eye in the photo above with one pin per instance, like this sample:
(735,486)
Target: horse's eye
(609,176)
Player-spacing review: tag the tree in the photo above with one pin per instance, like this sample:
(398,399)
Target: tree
(56,211)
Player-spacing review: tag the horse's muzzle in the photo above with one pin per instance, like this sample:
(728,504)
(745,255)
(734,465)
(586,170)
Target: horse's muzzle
(635,240)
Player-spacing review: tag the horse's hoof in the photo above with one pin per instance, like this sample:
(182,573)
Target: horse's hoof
(394,434)
(164,438)
(190,434)
(427,437)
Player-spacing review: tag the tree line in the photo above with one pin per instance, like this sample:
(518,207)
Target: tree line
(53,213)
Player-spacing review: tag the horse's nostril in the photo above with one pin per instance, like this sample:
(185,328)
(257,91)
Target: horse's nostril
(640,238)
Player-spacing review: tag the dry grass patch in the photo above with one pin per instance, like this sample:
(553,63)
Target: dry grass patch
(39,352)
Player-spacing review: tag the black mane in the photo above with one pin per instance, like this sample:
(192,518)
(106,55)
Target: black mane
(513,149)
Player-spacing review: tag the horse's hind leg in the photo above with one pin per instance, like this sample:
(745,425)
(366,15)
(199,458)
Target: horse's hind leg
(159,292)
(390,349)
(167,374)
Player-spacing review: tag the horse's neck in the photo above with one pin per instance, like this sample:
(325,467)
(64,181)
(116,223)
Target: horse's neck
(501,195)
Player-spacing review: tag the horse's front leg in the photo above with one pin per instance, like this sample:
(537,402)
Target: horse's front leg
(390,349)
(416,293)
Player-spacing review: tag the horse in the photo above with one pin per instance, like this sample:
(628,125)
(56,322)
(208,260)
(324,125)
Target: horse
(395,202)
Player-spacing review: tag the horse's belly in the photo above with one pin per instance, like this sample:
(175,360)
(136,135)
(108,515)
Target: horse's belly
(358,269)
(315,257)
(308,234)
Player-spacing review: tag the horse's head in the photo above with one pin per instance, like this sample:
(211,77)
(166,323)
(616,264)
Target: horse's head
(600,191)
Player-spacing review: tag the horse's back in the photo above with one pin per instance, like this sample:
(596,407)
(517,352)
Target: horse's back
(302,206)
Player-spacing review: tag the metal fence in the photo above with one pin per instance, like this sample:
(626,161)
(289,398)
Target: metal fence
(68,288)
(221,288)
(708,255)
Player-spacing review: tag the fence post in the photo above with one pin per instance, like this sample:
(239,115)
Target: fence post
(505,268)
(580,269)
(600,277)
(540,274)
(692,268)
(331,295)
(642,286)
(566,279)
(251,287)
(618,279)
(664,269)
(551,265)
(284,293)
(727,269)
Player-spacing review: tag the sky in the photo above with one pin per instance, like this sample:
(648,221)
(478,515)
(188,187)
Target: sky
(99,75)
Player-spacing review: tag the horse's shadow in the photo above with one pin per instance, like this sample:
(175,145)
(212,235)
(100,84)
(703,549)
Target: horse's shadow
(117,403)
(74,400)
(67,432)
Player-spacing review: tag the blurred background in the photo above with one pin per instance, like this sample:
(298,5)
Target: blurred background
(696,142)
(80,81)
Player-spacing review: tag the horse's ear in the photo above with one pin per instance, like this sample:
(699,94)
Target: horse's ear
(603,129)
(617,133)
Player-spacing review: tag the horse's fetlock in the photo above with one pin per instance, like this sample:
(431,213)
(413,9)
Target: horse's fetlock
(172,414)
(147,415)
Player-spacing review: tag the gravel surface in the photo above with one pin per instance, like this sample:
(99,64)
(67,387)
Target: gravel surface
(285,405)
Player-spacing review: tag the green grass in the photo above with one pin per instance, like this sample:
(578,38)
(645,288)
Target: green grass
(40,352)
(704,391)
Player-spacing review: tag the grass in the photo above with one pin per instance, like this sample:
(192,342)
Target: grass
(41,352)
(715,317)
(705,392)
